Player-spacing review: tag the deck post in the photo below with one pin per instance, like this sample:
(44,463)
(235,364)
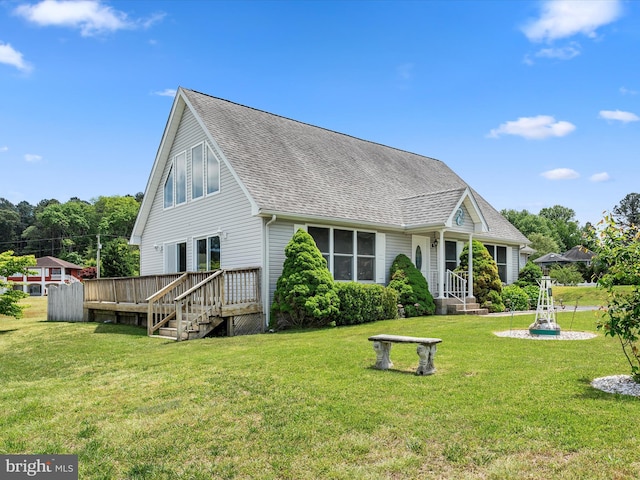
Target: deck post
(179,319)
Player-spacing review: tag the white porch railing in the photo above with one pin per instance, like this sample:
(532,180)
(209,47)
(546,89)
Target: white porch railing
(455,285)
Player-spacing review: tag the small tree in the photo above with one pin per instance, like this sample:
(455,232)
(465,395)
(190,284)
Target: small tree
(529,275)
(305,293)
(10,265)
(119,259)
(485,276)
(619,250)
(412,287)
(566,275)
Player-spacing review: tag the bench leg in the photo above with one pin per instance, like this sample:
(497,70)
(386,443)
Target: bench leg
(383,350)
(426,354)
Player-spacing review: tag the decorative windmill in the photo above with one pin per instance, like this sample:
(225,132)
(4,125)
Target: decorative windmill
(545,323)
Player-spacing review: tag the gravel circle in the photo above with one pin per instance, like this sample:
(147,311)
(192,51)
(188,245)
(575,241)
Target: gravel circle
(563,335)
(622,384)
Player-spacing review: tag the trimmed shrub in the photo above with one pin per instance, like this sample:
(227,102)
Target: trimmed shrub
(485,276)
(305,294)
(412,288)
(515,298)
(566,275)
(362,303)
(529,275)
(533,292)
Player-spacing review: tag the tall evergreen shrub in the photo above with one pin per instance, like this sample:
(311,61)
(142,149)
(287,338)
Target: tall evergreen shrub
(412,288)
(305,293)
(363,303)
(487,286)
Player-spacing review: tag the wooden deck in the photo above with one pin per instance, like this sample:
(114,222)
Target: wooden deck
(187,305)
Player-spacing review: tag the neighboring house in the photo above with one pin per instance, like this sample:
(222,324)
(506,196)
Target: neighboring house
(577,254)
(48,271)
(231,184)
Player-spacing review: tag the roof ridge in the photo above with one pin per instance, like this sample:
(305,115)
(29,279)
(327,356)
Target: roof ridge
(435,193)
(311,125)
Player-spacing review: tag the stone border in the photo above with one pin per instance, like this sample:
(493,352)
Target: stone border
(622,384)
(524,334)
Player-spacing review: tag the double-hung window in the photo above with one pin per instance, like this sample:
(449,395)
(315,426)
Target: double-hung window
(499,254)
(350,254)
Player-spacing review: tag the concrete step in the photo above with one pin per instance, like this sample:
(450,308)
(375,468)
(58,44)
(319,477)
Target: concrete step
(458,308)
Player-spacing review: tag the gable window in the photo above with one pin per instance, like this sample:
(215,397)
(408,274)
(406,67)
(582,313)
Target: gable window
(197,172)
(208,253)
(181,178)
(213,172)
(168,189)
(499,254)
(350,254)
(176,257)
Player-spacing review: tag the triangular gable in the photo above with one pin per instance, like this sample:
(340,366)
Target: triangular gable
(468,200)
(180,103)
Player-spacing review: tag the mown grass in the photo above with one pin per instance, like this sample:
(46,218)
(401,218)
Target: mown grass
(582,296)
(303,405)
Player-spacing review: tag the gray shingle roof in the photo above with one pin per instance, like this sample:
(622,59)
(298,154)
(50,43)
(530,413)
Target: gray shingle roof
(295,168)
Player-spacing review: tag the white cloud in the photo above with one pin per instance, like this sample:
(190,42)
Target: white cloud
(167,92)
(600,177)
(536,128)
(627,91)
(565,18)
(624,117)
(562,53)
(31,158)
(11,56)
(560,174)
(4,149)
(91,17)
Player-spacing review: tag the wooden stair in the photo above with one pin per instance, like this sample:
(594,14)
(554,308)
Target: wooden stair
(468,309)
(190,329)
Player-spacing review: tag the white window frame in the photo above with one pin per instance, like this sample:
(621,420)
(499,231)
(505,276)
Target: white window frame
(208,151)
(493,251)
(354,256)
(202,170)
(196,266)
(170,250)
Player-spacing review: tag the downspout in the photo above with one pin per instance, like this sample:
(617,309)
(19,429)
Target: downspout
(265,282)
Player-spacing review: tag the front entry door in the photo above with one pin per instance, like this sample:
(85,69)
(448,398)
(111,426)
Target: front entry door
(420,254)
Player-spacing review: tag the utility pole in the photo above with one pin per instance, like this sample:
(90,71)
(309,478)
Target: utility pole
(98,257)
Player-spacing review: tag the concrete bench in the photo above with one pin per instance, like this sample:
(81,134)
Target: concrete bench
(426,351)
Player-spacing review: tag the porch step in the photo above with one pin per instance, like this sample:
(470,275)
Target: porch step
(190,334)
(468,309)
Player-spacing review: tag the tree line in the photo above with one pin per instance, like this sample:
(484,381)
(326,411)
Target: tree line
(70,231)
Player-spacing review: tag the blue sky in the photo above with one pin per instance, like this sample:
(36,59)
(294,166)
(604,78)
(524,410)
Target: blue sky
(534,104)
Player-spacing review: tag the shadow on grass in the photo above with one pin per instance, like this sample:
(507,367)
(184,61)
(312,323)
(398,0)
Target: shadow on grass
(121,329)
(2,332)
(395,371)
(592,393)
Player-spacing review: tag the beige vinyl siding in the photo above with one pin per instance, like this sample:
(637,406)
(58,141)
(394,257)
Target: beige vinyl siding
(228,211)
(397,243)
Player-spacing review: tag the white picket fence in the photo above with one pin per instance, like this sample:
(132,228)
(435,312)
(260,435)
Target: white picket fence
(65,303)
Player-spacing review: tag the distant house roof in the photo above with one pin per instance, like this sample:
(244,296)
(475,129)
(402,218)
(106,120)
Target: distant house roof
(552,258)
(579,254)
(53,262)
(300,171)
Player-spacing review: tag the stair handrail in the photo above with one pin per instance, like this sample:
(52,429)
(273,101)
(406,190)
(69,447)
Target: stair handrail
(183,300)
(153,299)
(457,286)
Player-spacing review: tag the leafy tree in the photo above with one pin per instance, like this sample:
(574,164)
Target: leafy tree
(627,212)
(9,224)
(305,294)
(9,265)
(529,275)
(542,244)
(487,286)
(565,228)
(528,223)
(566,274)
(117,214)
(412,288)
(119,259)
(619,250)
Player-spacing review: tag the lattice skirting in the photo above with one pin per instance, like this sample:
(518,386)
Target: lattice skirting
(248,324)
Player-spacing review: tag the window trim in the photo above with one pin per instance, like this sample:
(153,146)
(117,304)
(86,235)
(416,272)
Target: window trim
(196,266)
(354,255)
(202,169)
(208,149)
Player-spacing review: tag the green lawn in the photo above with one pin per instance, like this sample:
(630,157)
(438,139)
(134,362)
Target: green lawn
(308,405)
(584,296)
